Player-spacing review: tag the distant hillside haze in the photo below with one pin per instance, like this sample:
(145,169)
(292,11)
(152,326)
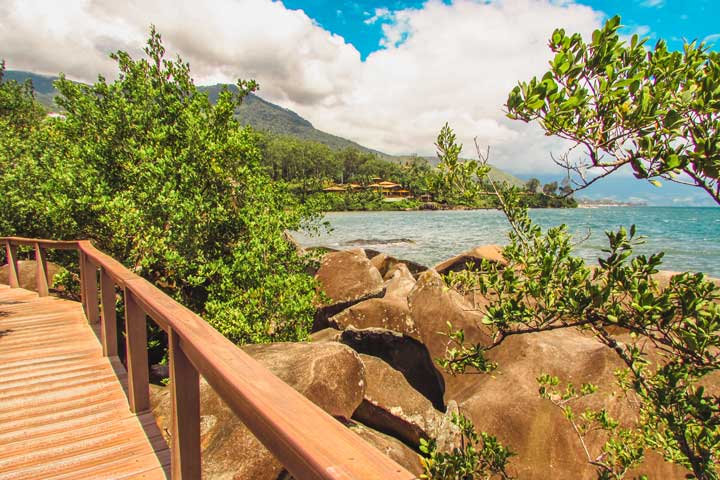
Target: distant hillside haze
(254,111)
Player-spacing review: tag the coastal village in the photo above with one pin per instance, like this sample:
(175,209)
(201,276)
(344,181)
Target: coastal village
(390,191)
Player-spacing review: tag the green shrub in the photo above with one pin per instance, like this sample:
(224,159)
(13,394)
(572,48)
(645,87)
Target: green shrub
(168,184)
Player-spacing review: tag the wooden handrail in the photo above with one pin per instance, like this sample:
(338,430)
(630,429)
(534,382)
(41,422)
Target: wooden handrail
(305,439)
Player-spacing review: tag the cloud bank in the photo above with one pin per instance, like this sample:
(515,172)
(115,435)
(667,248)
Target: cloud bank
(438,63)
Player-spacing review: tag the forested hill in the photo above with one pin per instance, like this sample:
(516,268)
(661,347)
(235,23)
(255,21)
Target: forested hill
(263,115)
(43,85)
(254,111)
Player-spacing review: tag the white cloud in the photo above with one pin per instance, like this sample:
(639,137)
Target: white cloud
(453,63)
(653,3)
(639,30)
(285,50)
(712,38)
(380,14)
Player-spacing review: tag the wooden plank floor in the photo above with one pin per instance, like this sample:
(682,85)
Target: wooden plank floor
(63,408)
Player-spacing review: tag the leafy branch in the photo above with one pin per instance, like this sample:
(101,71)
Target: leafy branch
(674,331)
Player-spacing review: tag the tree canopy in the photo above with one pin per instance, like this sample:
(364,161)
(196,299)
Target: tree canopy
(653,109)
(167,183)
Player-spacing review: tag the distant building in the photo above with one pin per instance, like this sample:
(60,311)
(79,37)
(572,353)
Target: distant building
(388,189)
(335,189)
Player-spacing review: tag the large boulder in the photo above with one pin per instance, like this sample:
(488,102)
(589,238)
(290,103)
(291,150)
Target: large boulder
(414,267)
(325,335)
(390,446)
(383,262)
(386,313)
(346,277)
(404,354)
(399,281)
(663,278)
(507,404)
(391,405)
(329,374)
(390,312)
(432,306)
(27,274)
(473,257)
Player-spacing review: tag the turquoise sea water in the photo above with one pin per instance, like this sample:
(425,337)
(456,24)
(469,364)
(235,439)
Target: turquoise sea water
(689,236)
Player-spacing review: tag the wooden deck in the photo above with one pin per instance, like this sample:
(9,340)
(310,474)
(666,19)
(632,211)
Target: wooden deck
(63,406)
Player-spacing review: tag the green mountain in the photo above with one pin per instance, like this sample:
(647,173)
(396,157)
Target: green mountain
(254,111)
(263,115)
(45,92)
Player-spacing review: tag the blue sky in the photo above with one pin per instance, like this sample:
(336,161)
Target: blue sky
(672,20)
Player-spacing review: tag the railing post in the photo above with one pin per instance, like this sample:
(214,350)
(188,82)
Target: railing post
(184,382)
(109,313)
(89,292)
(137,356)
(11,254)
(41,271)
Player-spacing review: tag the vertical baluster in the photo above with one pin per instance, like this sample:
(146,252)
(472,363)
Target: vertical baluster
(41,271)
(137,356)
(184,381)
(11,254)
(109,313)
(83,295)
(88,278)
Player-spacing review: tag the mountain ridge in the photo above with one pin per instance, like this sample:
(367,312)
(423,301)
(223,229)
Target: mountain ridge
(256,112)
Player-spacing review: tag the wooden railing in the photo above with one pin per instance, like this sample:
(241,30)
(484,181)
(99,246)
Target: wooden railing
(305,439)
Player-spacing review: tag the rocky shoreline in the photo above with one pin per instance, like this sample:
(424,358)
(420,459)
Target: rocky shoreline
(369,363)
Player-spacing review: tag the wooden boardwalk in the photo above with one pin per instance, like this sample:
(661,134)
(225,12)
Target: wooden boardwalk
(63,406)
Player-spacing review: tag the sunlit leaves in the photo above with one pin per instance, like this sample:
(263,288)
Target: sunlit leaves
(673,346)
(653,109)
(172,186)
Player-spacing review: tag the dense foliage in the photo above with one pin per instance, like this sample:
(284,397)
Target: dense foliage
(655,110)
(672,346)
(166,182)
